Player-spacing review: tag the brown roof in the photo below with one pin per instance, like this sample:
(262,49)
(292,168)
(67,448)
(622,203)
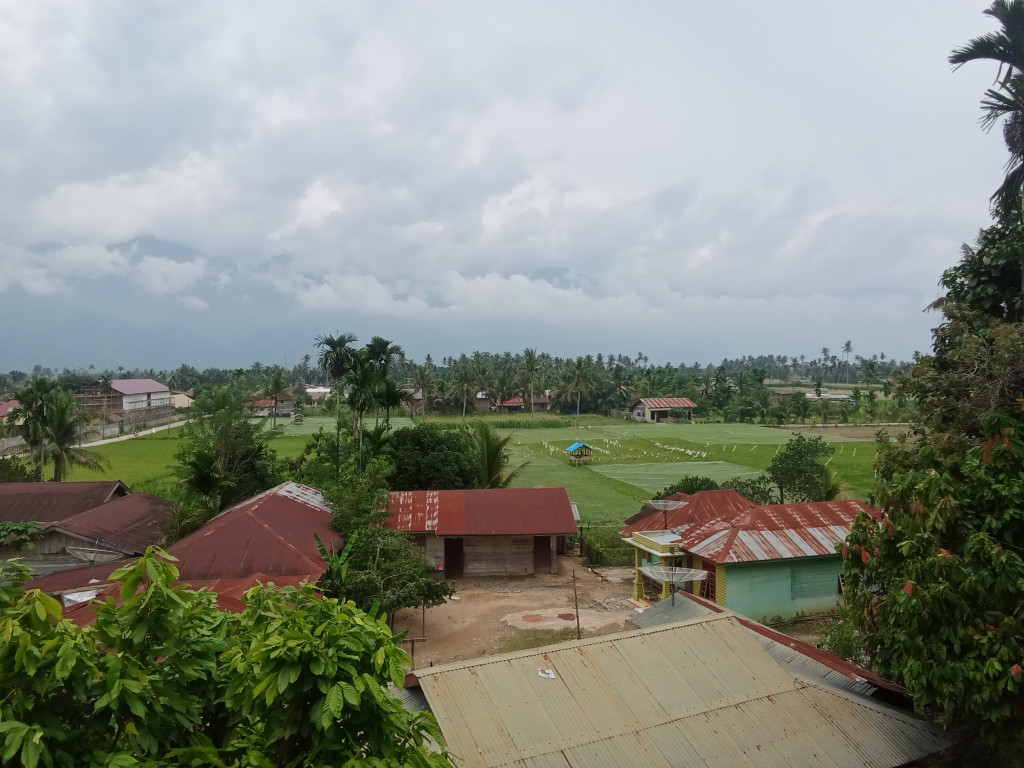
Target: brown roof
(8,406)
(700,507)
(77,579)
(129,523)
(50,502)
(137,386)
(773,532)
(268,538)
(271,534)
(666,403)
(483,512)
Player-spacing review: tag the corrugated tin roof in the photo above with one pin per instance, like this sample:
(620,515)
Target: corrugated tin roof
(483,512)
(8,406)
(798,657)
(773,532)
(129,524)
(49,502)
(703,692)
(270,534)
(700,507)
(137,386)
(577,445)
(666,403)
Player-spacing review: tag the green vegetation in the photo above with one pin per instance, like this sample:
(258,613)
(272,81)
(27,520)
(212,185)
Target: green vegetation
(165,678)
(525,639)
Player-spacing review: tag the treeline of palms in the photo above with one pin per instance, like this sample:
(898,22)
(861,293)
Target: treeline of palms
(602,382)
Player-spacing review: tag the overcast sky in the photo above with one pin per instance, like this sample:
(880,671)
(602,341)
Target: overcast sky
(218,183)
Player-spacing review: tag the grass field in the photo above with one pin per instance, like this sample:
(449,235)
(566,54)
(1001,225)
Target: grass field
(631,461)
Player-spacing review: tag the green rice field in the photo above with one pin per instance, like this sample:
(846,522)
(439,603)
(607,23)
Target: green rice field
(631,461)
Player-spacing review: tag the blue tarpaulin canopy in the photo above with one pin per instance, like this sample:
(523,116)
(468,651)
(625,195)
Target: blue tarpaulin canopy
(576,446)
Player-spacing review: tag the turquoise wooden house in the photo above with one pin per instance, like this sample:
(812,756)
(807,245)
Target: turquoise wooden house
(761,561)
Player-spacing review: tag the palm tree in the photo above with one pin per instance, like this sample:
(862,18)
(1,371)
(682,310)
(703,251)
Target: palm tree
(336,354)
(577,380)
(492,455)
(363,381)
(275,389)
(427,385)
(465,381)
(389,397)
(847,351)
(29,419)
(1006,98)
(529,367)
(63,421)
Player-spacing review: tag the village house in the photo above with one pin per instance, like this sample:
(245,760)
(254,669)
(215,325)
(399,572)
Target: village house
(486,532)
(130,402)
(270,537)
(702,692)
(517,404)
(655,409)
(82,522)
(761,561)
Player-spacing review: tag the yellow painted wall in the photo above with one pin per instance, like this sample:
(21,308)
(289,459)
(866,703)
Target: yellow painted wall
(720,584)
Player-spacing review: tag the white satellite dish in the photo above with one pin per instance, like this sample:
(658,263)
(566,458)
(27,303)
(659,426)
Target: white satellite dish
(665,505)
(664,573)
(94,555)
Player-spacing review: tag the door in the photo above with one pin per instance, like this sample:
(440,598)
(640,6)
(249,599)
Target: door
(453,558)
(542,554)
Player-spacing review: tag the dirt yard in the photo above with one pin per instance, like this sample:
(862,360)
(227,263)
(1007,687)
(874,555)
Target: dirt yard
(493,614)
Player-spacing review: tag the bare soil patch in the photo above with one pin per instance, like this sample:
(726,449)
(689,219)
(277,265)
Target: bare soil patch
(490,612)
(851,431)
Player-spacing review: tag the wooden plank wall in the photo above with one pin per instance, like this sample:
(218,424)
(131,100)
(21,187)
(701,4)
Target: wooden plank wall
(498,555)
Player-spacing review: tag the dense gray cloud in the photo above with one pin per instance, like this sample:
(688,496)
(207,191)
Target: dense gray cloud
(218,183)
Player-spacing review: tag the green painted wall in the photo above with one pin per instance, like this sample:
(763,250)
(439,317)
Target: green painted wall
(784,587)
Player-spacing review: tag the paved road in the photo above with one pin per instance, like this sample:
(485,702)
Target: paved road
(150,431)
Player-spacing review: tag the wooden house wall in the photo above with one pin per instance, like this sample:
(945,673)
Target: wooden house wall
(498,555)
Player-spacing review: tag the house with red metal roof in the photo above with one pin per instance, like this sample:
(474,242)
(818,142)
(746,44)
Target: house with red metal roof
(268,538)
(655,409)
(82,522)
(516,404)
(486,532)
(759,560)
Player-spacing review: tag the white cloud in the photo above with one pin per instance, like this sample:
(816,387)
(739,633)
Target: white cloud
(167,276)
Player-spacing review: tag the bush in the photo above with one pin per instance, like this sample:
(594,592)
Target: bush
(602,546)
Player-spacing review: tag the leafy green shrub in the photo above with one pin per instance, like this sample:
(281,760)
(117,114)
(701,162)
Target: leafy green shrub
(603,546)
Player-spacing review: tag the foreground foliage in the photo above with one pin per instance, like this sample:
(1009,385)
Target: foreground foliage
(166,678)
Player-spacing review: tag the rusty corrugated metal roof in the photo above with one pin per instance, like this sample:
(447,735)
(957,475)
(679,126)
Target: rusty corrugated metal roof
(270,534)
(483,512)
(666,403)
(49,502)
(773,532)
(137,386)
(700,507)
(129,523)
(703,692)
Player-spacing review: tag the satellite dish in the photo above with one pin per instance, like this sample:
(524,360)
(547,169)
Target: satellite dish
(664,573)
(665,505)
(94,555)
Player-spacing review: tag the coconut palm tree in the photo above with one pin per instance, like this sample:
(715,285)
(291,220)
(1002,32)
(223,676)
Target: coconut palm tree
(465,381)
(275,389)
(1005,100)
(336,354)
(63,422)
(492,456)
(529,368)
(577,380)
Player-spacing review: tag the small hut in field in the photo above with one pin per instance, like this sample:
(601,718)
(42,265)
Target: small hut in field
(579,453)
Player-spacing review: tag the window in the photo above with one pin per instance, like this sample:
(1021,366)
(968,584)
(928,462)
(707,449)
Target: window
(813,579)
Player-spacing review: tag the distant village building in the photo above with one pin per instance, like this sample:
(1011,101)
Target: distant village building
(316,394)
(487,532)
(655,409)
(130,402)
(517,404)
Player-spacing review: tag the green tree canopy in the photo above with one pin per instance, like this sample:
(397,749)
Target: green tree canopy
(797,471)
(426,457)
(164,678)
(382,568)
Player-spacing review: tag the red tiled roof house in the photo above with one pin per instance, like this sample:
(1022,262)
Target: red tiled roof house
(487,532)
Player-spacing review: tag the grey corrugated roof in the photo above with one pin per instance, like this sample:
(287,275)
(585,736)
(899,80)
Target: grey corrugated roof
(702,692)
(664,612)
